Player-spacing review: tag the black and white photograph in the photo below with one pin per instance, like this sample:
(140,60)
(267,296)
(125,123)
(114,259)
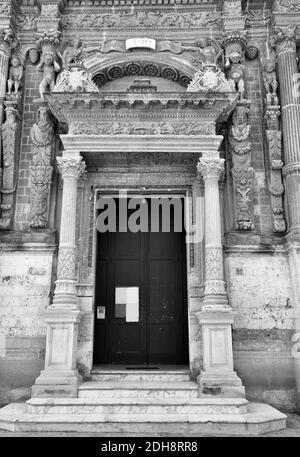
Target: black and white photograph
(149,223)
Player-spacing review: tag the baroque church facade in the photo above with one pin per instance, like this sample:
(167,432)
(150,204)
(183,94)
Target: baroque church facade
(195,100)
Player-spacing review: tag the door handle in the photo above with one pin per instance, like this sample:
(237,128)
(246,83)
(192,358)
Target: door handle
(100,312)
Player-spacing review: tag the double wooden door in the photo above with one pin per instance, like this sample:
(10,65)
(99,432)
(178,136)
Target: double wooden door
(141,299)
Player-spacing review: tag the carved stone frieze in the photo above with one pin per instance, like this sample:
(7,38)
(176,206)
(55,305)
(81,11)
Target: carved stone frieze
(142,128)
(10,143)
(132,19)
(42,137)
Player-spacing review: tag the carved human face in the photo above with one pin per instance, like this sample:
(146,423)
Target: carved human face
(235,57)
(270,66)
(15,62)
(48,59)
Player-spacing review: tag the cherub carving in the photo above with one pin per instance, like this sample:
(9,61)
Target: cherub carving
(207,51)
(50,66)
(15,75)
(270,82)
(72,53)
(235,71)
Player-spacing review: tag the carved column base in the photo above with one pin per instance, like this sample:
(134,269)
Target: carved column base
(60,377)
(218,376)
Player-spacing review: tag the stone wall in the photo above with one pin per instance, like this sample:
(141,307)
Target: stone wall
(25,286)
(260,293)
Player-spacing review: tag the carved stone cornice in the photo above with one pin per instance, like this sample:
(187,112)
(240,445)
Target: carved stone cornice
(70,167)
(211,168)
(284,38)
(71,107)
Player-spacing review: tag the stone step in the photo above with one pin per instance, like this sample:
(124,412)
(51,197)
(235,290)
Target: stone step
(94,389)
(99,374)
(144,406)
(259,419)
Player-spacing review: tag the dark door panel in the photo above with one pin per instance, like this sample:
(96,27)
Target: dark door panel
(154,265)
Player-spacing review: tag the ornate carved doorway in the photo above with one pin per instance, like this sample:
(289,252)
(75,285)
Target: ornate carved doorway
(141,294)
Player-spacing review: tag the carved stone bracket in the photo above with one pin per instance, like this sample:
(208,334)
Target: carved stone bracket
(10,142)
(42,137)
(242,173)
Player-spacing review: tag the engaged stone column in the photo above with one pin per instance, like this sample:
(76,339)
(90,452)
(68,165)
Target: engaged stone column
(216,315)
(284,41)
(65,293)
(60,376)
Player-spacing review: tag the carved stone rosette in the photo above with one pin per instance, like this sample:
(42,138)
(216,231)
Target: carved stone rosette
(10,134)
(42,137)
(242,172)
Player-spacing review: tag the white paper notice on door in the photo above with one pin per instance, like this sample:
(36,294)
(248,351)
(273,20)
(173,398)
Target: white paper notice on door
(130,297)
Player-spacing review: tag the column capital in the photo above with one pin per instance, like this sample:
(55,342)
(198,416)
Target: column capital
(71,167)
(211,168)
(284,38)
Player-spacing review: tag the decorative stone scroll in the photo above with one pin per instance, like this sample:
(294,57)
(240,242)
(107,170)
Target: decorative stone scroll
(42,137)
(132,19)
(142,128)
(10,142)
(242,172)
